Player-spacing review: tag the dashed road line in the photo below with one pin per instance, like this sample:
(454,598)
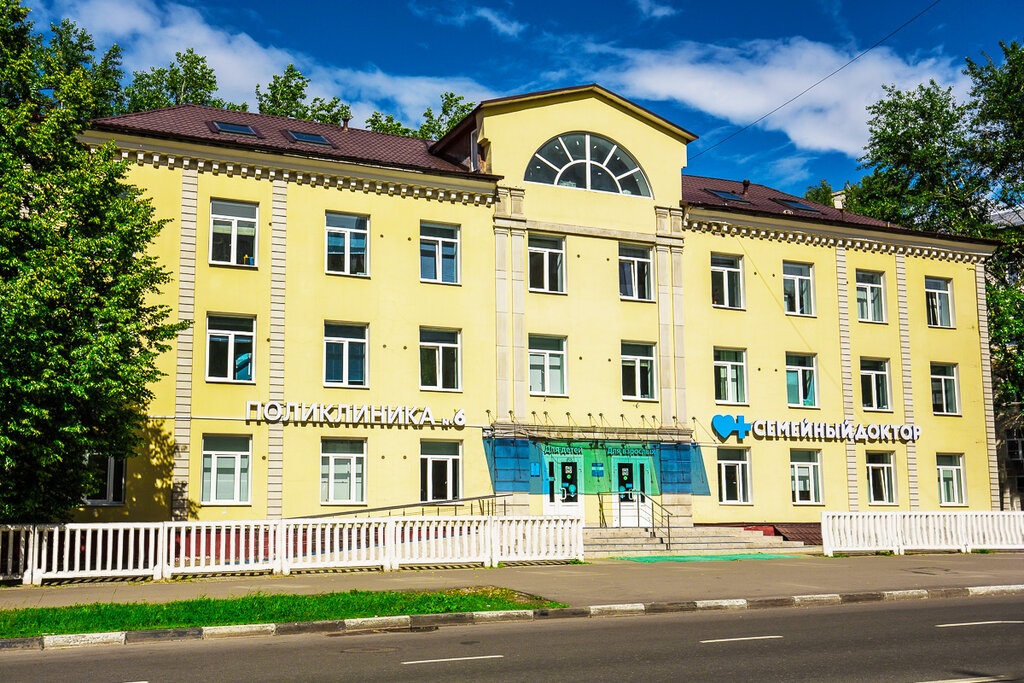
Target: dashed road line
(453,659)
(976,623)
(732,640)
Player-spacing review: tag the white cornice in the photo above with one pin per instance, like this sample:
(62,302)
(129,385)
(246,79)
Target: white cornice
(300,170)
(831,236)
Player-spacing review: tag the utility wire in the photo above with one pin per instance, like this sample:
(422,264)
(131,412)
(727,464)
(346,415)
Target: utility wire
(819,82)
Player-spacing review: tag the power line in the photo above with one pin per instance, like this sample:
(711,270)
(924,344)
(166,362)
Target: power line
(819,82)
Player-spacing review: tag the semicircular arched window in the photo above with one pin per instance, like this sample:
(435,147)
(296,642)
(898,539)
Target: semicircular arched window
(589,162)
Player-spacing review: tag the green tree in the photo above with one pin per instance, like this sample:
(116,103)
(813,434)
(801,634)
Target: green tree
(434,126)
(821,193)
(73,48)
(80,332)
(286,96)
(186,80)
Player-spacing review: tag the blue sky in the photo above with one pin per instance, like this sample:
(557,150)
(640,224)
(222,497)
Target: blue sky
(711,67)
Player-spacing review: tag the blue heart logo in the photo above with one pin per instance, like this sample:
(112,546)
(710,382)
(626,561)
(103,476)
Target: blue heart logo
(724,426)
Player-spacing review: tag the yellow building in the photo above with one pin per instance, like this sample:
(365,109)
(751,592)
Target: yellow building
(538,306)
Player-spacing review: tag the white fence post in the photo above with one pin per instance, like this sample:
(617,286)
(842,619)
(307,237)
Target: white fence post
(29,557)
(158,552)
(389,540)
(281,531)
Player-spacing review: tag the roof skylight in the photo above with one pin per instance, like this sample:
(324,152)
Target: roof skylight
(729,196)
(236,128)
(799,206)
(309,137)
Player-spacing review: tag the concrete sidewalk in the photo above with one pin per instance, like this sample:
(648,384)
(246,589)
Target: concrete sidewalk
(597,583)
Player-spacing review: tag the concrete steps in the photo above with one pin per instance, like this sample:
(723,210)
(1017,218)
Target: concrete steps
(613,542)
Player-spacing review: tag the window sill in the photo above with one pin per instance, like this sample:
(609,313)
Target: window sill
(537,395)
(801,315)
(731,403)
(341,503)
(948,414)
(334,385)
(953,505)
(547,291)
(440,282)
(442,390)
(637,399)
(805,504)
(218,380)
(238,266)
(338,273)
(942,327)
(739,504)
(102,504)
(723,307)
(636,300)
(888,505)
(873,322)
(211,504)
(876,410)
(801,407)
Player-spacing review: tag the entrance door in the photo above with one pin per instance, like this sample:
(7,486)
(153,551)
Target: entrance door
(563,494)
(632,505)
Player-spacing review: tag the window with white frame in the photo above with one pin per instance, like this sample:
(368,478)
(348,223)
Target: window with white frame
(342,471)
(798,288)
(439,470)
(951,478)
(805,476)
(726,281)
(874,384)
(1015,444)
(635,272)
(347,238)
(547,365)
(439,253)
(870,296)
(439,359)
(938,302)
(344,355)
(944,389)
(733,476)
(229,348)
(233,233)
(801,388)
(881,478)
(225,474)
(638,371)
(547,264)
(730,376)
(109,479)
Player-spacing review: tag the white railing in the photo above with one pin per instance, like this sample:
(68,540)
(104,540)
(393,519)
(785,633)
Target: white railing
(164,549)
(901,531)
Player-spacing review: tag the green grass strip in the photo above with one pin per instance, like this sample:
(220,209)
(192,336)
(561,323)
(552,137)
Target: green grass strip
(709,558)
(257,608)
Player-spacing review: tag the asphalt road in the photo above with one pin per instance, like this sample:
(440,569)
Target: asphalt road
(928,640)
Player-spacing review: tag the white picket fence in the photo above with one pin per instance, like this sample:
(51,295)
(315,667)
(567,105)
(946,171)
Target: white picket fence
(159,550)
(901,531)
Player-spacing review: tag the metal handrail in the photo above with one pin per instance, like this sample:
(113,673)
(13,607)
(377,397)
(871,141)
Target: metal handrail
(656,507)
(454,504)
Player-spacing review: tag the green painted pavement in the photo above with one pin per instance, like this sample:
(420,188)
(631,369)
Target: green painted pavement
(710,558)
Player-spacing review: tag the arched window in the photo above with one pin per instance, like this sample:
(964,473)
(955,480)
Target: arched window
(589,162)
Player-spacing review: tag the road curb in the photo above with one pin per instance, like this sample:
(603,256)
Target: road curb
(419,621)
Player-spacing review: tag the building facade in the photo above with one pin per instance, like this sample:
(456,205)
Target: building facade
(539,306)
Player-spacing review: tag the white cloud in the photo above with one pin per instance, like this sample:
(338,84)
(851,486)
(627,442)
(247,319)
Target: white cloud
(461,15)
(653,10)
(150,34)
(739,84)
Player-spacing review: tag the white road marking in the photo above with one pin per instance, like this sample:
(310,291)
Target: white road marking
(453,659)
(732,640)
(977,623)
(968,680)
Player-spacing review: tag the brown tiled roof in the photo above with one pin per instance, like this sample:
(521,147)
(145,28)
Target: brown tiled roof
(192,123)
(761,200)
